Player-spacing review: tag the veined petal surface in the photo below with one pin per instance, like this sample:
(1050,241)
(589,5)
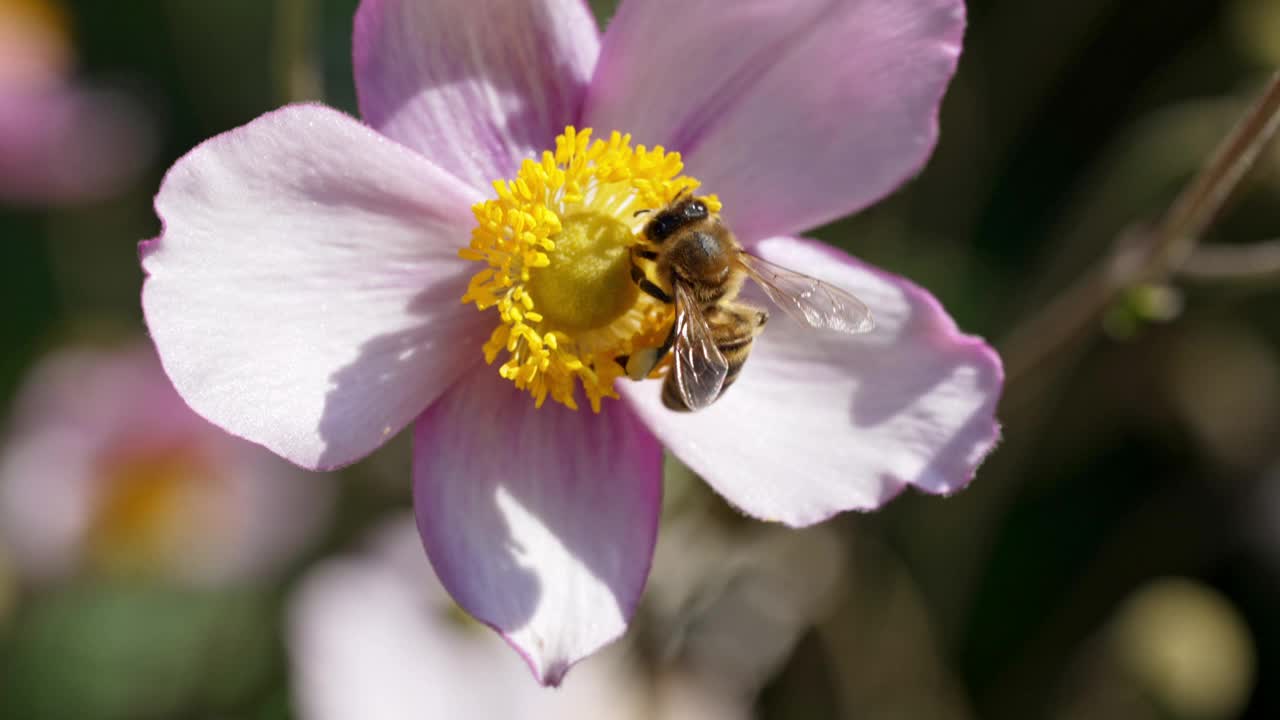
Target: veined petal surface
(794,113)
(380,621)
(304,293)
(819,423)
(475,85)
(540,522)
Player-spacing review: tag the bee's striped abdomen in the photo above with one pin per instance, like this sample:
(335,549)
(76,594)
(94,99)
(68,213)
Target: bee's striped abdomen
(671,395)
(736,354)
(734,327)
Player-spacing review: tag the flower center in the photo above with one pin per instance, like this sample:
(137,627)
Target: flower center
(591,284)
(557,244)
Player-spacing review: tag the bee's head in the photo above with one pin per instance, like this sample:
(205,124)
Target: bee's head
(685,210)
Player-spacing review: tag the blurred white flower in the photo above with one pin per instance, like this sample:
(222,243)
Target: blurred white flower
(106,470)
(733,605)
(374,636)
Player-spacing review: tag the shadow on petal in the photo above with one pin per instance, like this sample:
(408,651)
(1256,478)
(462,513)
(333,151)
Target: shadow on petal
(947,365)
(819,423)
(476,85)
(540,522)
(915,366)
(447,342)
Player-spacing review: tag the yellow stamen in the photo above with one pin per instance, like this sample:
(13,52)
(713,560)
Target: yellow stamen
(556,242)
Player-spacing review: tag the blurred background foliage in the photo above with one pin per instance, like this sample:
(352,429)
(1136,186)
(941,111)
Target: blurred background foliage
(1118,556)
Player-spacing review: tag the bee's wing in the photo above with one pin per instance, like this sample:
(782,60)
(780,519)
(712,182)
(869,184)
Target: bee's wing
(808,299)
(699,365)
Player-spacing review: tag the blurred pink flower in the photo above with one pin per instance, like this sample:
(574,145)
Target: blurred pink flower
(374,636)
(105,469)
(304,292)
(59,141)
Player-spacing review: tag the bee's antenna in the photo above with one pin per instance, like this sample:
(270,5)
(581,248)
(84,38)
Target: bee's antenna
(638,213)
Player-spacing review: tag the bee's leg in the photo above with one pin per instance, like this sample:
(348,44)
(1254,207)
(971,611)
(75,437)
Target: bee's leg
(639,250)
(642,362)
(661,351)
(647,285)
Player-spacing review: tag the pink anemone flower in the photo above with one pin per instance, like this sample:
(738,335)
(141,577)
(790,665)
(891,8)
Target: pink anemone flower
(105,471)
(320,282)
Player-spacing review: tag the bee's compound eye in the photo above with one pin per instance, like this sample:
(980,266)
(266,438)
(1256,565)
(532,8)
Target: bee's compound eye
(697,209)
(661,227)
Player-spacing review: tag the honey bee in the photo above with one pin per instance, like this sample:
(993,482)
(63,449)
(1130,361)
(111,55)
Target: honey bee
(700,267)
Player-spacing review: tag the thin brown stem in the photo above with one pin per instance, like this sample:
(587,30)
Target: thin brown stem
(1196,207)
(1059,323)
(296,72)
(1146,253)
(1258,262)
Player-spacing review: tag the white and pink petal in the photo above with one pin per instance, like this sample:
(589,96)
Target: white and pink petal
(476,85)
(795,113)
(304,293)
(540,522)
(820,423)
(381,622)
